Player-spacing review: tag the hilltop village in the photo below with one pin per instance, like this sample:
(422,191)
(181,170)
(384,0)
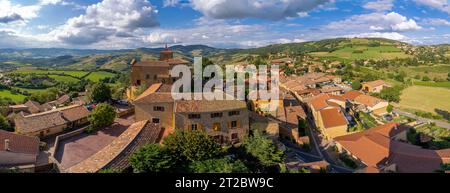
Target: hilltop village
(319,124)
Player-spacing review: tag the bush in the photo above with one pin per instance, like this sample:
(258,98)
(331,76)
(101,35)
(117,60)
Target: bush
(4,124)
(263,149)
(356,85)
(151,158)
(102,116)
(100,92)
(223,165)
(426,78)
(191,146)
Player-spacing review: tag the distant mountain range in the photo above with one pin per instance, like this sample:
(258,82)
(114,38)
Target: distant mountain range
(89,59)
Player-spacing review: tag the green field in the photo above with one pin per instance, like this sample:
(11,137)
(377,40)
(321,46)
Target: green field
(426,99)
(97,76)
(433,84)
(436,71)
(365,52)
(18,98)
(66,79)
(78,74)
(31,91)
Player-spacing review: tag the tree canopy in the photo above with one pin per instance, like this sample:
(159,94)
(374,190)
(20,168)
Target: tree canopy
(223,165)
(151,158)
(263,149)
(102,116)
(100,92)
(191,146)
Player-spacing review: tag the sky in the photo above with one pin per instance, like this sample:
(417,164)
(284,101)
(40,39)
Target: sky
(123,24)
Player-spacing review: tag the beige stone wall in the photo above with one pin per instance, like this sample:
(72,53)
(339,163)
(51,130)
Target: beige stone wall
(334,132)
(45,132)
(380,111)
(9,158)
(147,75)
(206,123)
(146,112)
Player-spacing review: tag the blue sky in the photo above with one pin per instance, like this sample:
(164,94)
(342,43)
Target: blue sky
(116,24)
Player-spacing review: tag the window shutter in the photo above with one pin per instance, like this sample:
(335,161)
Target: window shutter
(189,127)
(229,125)
(238,124)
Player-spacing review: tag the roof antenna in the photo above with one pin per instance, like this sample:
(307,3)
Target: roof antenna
(166,47)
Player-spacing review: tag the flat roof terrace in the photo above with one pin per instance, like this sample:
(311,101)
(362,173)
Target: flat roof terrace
(74,150)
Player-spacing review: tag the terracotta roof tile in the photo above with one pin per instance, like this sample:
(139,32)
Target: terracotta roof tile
(333,118)
(19,143)
(351,95)
(376,149)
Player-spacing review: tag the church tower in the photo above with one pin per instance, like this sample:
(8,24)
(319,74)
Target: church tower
(166,54)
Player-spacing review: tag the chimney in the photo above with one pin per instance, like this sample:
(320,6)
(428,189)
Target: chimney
(7,145)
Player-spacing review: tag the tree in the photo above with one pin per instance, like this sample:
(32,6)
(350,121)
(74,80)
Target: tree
(100,92)
(4,124)
(356,85)
(191,146)
(151,158)
(426,78)
(391,94)
(448,76)
(390,108)
(102,116)
(224,165)
(263,149)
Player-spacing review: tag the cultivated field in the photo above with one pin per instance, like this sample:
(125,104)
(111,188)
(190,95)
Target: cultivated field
(78,74)
(365,52)
(18,98)
(66,79)
(97,76)
(425,99)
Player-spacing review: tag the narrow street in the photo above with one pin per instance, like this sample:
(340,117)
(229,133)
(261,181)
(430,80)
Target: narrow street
(442,124)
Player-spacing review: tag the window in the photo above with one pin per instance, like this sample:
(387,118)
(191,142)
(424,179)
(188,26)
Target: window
(155,77)
(194,127)
(155,120)
(138,82)
(234,113)
(234,124)
(234,136)
(217,127)
(158,108)
(147,77)
(194,116)
(216,115)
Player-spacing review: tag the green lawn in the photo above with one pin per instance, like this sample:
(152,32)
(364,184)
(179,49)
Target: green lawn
(433,84)
(31,91)
(426,99)
(78,74)
(67,79)
(352,53)
(18,98)
(97,76)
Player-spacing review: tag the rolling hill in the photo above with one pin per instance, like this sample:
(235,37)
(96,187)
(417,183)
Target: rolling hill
(344,49)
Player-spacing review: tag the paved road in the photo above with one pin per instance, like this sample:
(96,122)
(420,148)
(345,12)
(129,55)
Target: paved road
(421,119)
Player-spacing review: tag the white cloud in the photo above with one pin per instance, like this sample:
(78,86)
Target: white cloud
(380,5)
(442,5)
(390,22)
(10,13)
(436,22)
(106,19)
(263,9)
(387,35)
